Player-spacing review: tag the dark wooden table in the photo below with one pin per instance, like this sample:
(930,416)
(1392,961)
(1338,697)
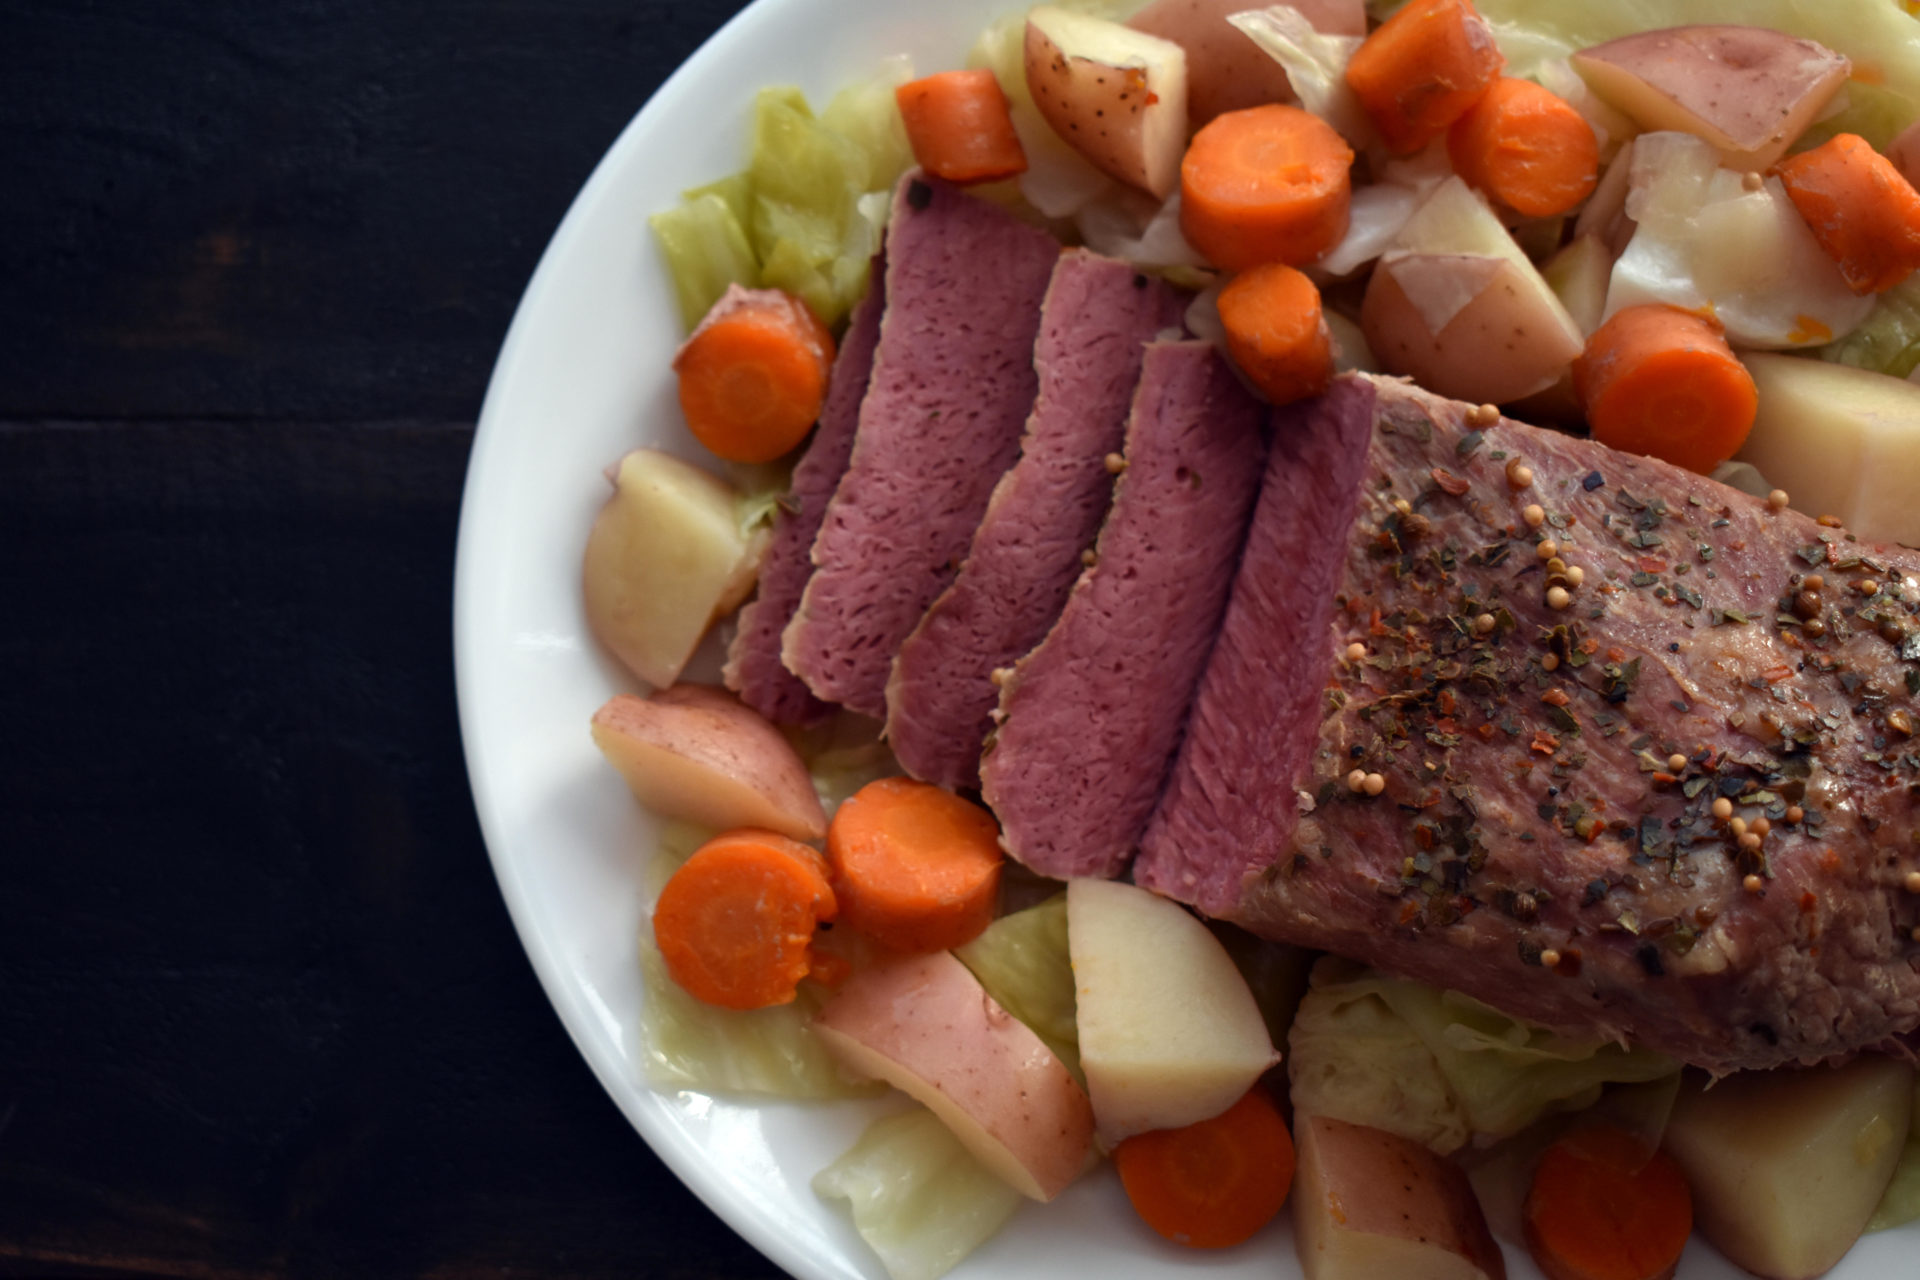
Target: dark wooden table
(261,1009)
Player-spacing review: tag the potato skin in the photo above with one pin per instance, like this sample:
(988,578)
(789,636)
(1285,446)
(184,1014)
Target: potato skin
(696,753)
(1116,95)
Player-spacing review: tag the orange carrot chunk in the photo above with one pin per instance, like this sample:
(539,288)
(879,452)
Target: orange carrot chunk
(1527,148)
(915,868)
(735,923)
(1213,1184)
(753,374)
(1859,207)
(1422,69)
(1605,1207)
(959,126)
(1661,381)
(1276,332)
(1268,184)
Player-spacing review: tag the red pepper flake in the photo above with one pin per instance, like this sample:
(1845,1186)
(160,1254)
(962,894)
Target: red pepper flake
(1650,564)
(1830,862)
(1452,483)
(1590,647)
(1555,698)
(1446,702)
(1774,675)
(1446,724)
(1545,743)
(1664,778)
(1808,902)
(1423,836)
(1738,544)
(1374,627)
(1408,913)
(1486,731)
(1616,655)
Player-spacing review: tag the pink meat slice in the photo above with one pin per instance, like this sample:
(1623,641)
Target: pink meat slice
(1544,838)
(952,384)
(1090,719)
(1097,318)
(754,669)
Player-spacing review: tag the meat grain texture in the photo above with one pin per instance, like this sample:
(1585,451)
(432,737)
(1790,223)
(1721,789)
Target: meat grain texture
(1088,722)
(754,669)
(952,384)
(1546,839)
(1097,318)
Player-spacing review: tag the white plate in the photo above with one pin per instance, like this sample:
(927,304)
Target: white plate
(582,378)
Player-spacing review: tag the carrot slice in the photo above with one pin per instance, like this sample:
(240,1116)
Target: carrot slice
(753,374)
(1605,1207)
(1422,69)
(1859,207)
(735,923)
(1213,1184)
(1276,332)
(1268,184)
(1661,381)
(915,868)
(1527,148)
(960,127)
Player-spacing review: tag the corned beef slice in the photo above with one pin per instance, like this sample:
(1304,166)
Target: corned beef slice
(1097,318)
(1089,720)
(952,383)
(1532,810)
(754,669)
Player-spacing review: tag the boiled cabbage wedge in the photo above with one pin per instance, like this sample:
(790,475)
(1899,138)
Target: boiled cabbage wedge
(919,1198)
(1437,1066)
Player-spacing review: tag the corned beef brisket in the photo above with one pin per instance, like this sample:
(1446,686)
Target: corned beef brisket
(1097,318)
(951,387)
(1404,752)
(1089,720)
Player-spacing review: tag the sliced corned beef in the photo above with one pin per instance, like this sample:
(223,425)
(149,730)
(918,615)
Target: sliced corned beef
(1097,318)
(754,669)
(1089,720)
(1515,800)
(952,383)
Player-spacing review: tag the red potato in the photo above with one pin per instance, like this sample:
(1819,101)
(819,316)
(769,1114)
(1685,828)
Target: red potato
(1367,1204)
(925,1025)
(1458,306)
(667,555)
(1226,71)
(1116,95)
(695,753)
(1747,90)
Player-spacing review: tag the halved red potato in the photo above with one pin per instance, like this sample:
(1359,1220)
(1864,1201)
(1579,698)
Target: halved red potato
(1747,90)
(1116,95)
(696,753)
(925,1025)
(1367,1203)
(1226,71)
(666,556)
(1458,306)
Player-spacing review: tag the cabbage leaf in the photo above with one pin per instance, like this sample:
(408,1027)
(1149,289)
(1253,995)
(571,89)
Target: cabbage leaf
(918,1198)
(1022,961)
(1888,340)
(1438,1066)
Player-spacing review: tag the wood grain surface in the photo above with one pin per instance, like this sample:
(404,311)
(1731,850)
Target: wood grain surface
(261,1010)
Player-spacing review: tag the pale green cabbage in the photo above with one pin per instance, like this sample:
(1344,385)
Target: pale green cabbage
(1878,35)
(1901,1203)
(919,1199)
(1437,1066)
(1888,340)
(1023,963)
(706,249)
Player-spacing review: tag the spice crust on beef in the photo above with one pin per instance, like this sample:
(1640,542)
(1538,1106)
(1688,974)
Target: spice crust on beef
(1655,781)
